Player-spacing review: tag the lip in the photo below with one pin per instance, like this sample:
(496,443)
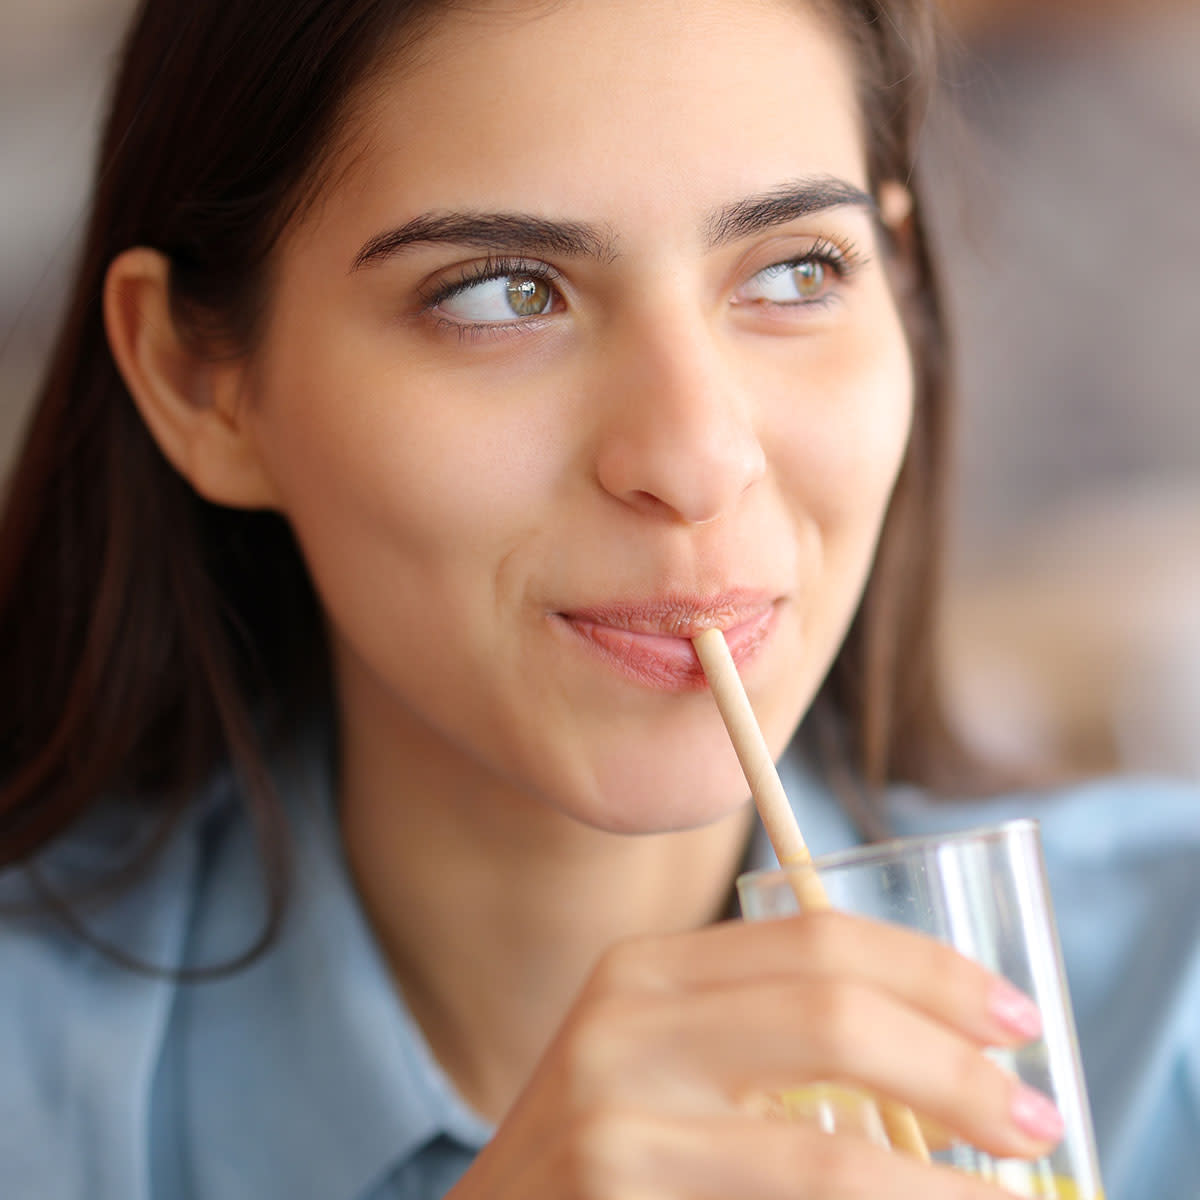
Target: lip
(651,641)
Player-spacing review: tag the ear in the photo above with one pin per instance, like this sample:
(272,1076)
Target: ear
(895,208)
(896,216)
(193,404)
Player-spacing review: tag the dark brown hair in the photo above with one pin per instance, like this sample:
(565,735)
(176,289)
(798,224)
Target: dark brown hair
(148,636)
(880,716)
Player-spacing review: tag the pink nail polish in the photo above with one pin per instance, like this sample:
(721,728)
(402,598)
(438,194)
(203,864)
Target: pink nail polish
(1036,1116)
(1014,1010)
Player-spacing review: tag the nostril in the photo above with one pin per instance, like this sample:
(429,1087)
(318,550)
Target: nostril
(686,480)
(680,435)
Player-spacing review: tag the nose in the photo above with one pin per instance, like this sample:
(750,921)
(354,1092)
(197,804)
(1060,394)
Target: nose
(679,438)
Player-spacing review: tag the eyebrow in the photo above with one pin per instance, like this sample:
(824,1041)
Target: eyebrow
(522,233)
(513,233)
(755,214)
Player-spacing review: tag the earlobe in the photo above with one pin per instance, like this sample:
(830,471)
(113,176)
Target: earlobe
(896,216)
(895,206)
(192,404)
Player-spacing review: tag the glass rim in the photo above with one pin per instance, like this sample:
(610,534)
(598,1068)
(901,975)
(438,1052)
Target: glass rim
(870,853)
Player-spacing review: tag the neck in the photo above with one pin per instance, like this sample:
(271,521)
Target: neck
(492,908)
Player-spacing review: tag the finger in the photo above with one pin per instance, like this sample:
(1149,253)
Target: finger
(620,1154)
(920,971)
(723,1046)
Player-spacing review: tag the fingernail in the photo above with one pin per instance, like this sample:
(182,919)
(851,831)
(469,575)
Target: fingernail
(1036,1116)
(1014,1010)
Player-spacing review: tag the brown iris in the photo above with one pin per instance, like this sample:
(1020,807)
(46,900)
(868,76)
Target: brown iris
(809,278)
(526,296)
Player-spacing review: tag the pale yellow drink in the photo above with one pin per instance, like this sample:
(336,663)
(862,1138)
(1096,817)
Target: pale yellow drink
(839,1109)
(984,893)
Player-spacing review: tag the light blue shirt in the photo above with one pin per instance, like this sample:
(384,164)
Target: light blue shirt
(304,1075)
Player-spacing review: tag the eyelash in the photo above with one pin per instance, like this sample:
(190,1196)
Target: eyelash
(844,260)
(483,272)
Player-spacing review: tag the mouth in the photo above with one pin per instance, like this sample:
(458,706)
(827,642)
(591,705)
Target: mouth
(651,642)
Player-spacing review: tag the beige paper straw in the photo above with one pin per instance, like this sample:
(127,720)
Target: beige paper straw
(777,817)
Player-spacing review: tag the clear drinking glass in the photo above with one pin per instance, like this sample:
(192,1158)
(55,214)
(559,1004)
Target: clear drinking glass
(983,892)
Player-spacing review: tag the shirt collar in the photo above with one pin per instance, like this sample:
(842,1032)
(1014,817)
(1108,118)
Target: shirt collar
(325,1093)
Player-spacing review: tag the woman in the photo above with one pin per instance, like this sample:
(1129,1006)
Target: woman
(433,373)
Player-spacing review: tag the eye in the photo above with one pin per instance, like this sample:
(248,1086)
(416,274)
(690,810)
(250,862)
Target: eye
(497,298)
(791,283)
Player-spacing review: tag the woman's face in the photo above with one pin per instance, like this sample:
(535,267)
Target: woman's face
(587,346)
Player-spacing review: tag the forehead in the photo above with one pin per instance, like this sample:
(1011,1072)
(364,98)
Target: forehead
(583,108)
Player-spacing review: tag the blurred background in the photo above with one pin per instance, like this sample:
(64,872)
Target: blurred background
(1073,252)
(1064,195)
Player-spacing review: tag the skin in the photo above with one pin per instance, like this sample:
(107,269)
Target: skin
(681,422)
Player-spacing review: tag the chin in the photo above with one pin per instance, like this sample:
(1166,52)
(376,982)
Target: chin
(635,802)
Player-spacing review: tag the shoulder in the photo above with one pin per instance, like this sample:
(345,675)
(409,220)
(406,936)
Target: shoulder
(1123,857)
(1123,860)
(79,1032)
(1124,823)
(1119,816)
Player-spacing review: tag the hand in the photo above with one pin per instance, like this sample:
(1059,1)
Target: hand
(651,1089)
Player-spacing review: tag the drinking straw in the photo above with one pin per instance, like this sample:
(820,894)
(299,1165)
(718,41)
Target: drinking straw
(784,833)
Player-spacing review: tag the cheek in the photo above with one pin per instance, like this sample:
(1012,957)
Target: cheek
(846,443)
(412,520)
(374,456)
(414,501)
(848,431)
